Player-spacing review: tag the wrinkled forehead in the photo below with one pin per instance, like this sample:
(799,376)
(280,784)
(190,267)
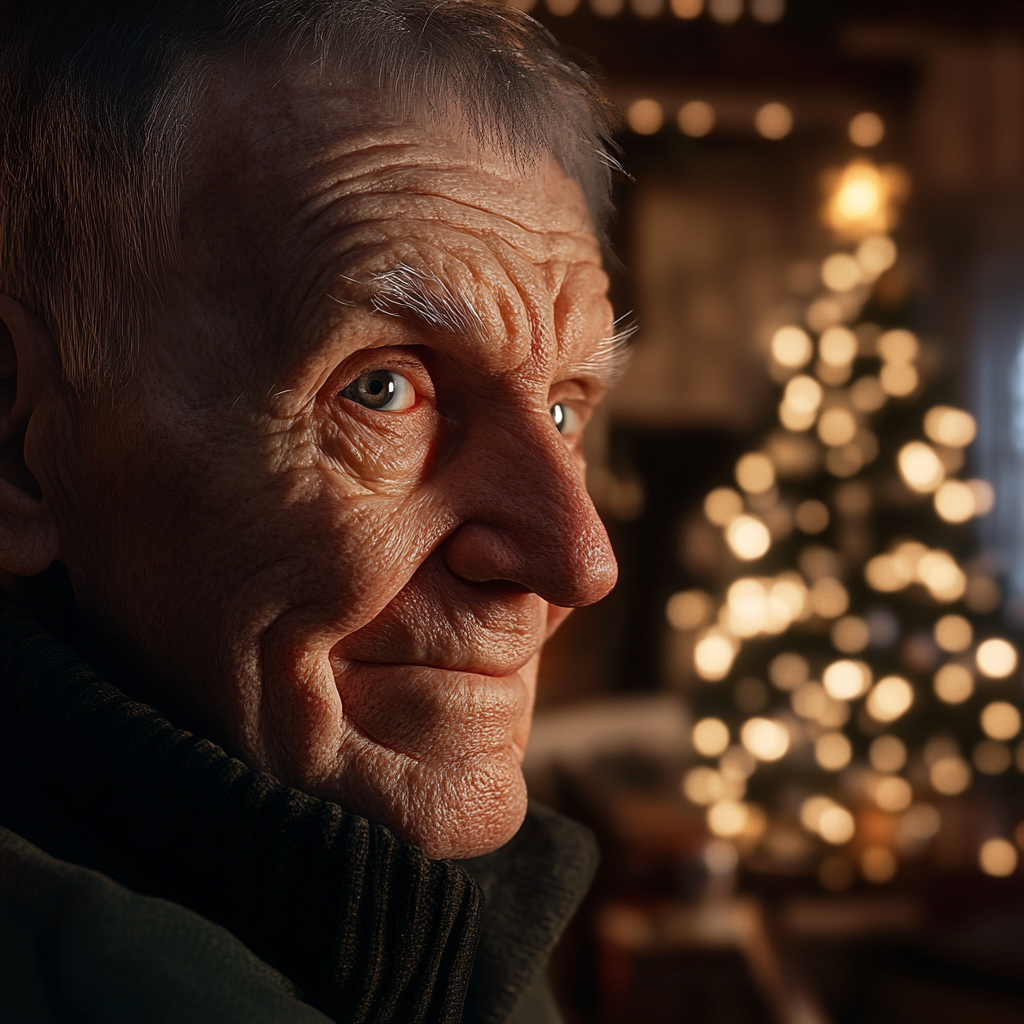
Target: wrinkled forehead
(283,173)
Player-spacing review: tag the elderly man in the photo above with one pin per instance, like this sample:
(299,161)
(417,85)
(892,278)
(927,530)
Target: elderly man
(303,315)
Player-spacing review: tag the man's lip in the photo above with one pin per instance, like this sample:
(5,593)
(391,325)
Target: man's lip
(426,711)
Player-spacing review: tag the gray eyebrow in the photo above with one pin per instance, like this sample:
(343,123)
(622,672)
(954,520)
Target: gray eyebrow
(404,290)
(408,291)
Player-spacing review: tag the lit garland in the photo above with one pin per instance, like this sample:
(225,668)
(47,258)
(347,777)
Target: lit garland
(870,793)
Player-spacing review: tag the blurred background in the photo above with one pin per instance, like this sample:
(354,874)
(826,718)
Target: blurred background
(795,724)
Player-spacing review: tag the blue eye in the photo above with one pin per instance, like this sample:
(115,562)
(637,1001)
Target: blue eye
(565,419)
(381,389)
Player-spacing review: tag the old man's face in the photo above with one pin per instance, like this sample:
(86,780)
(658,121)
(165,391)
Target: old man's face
(344,506)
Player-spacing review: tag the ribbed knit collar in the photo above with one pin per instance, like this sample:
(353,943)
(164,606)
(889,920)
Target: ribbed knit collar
(366,926)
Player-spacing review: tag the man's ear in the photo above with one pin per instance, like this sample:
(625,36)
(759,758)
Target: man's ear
(28,531)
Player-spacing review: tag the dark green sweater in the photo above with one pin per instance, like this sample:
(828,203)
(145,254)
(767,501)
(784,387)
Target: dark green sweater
(217,893)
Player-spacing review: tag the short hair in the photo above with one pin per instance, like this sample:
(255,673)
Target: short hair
(97,98)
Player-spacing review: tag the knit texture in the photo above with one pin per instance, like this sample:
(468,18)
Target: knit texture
(368,927)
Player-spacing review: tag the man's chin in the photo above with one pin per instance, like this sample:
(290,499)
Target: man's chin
(450,810)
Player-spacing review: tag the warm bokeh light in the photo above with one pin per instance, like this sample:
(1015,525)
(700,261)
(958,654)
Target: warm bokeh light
(983,595)
(748,538)
(898,346)
(713,656)
(953,633)
(949,775)
(645,116)
(722,506)
(607,8)
(837,427)
(788,670)
(876,254)
(829,598)
(837,346)
(984,496)
(755,473)
(878,864)
(725,12)
(862,198)
(747,603)
(810,701)
(727,818)
(890,698)
(812,809)
(792,347)
(851,634)
(846,679)
(803,394)
(703,785)
(920,467)
(688,609)
(892,794)
(687,8)
(710,737)
(866,129)
(898,379)
(812,516)
(832,751)
(996,658)
(647,8)
(944,579)
(954,501)
(562,8)
(774,121)
(696,118)
(991,757)
(1000,720)
(767,12)
(887,754)
(836,825)
(997,857)
(867,394)
(840,272)
(766,739)
(953,684)
(954,428)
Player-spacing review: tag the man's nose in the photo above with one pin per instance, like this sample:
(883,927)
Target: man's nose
(527,518)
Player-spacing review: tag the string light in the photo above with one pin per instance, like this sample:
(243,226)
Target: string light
(887,754)
(846,680)
(890,698)
(829,598)
(562,8)
(696,118)
(687,9)
(727,818)
(774,120)
(644,116)
(748,538)
(791,347)
(703,785)
(953,633)
(607,8)
(789,670)
(997,857)
(892,794)
(950,776)
(710,737)
(991,757)
(648,8)
(920,467)
(876,254)
(1000,720)
(952,427)
(832,751)
(725,12)
(766,739)
(722,506)
(851,634)
(862,198)
(954,502)
(767,11)
(713,656)
(867,394)
(837,427)
(837,346)
(953,684)
(812,516)
(996,658)
(755,473)
(840,272)
(836,825)
(866,129)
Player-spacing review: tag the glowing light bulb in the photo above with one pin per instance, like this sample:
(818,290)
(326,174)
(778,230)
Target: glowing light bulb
(1000,720)
(727,818)
(791,347)
(951,427)
(887,754)
(950,775)
(954,501)
(836,825)
(713,656)
(703,785)
(953,684)
(766,739)
(889,699)
(832,751)
(996,658)
(774,121)
(846,679)
(876,254)
(688,609)
(755,473)
(696,118)
(866,129)
(722,506)
(645,116)
(997,857)
(748,538)
(920,467)
(788,670)
(953,633)
(837,427)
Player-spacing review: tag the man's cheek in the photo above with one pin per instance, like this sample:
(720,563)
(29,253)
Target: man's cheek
(386,456)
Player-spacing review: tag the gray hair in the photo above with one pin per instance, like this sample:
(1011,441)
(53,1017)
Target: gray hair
(97,98)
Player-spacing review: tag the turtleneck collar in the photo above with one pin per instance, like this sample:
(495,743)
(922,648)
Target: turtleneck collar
(367,926)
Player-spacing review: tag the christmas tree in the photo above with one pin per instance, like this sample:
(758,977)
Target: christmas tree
(856,710)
